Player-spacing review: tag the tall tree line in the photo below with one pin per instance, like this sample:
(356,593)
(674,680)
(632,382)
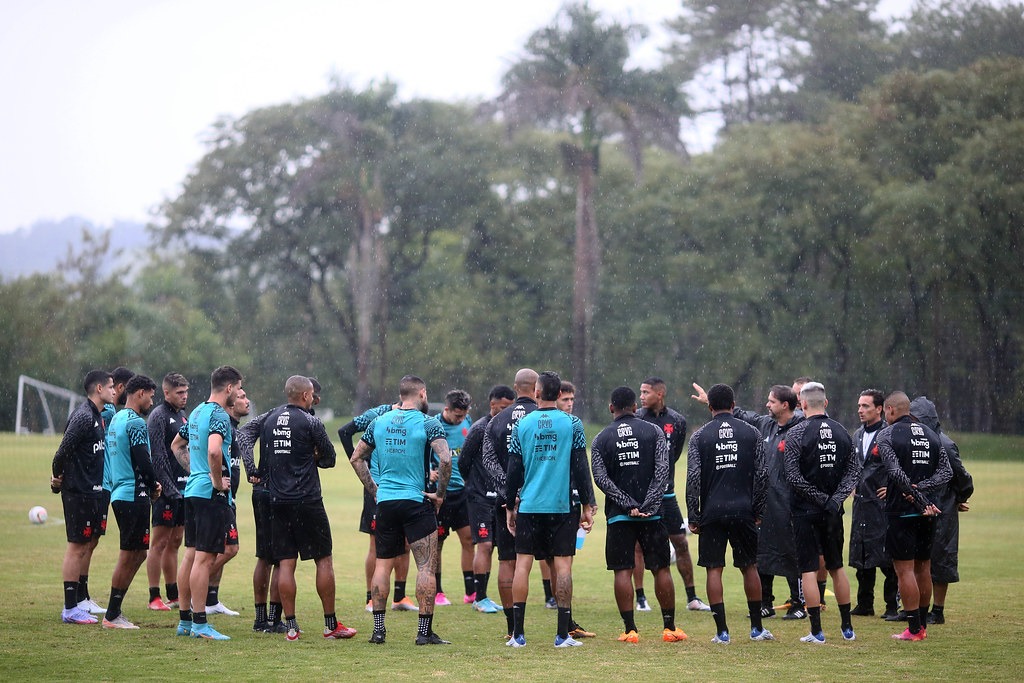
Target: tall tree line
(859,225)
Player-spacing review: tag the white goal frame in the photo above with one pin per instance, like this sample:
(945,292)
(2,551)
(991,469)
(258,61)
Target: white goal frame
(73,398)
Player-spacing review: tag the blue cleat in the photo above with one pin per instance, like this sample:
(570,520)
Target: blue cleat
(207,632)
(814,638)
(761,634)
(516,641)
(568,641)
(184,628)
(848,634)
(722,638)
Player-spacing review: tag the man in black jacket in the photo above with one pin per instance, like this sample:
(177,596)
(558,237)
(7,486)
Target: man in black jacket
(953,499)
(821,468)
(725,496)
(867,532)
(918,468)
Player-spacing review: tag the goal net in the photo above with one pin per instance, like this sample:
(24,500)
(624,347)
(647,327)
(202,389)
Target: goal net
(43,408)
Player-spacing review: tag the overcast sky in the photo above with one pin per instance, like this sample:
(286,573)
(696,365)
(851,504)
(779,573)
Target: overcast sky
(106,101)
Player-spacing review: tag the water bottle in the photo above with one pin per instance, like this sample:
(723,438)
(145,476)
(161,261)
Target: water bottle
(581,536)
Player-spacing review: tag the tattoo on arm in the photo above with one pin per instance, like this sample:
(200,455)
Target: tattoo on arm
(444,468)
(360,463)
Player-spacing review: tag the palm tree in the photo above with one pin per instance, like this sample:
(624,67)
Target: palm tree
(573,78)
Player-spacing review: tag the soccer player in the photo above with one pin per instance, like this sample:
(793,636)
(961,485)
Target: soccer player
(133,484)
(495,460)
(480,495)
(401,440)
(368,518)
(867,528)
(953,498)
(238,410)
(918,468)
(673,424)
(294,445)
(454,513)
(547,455)
(77,475)
(630,464)
(169,509)
(203,444)
(726,484)
(823,471)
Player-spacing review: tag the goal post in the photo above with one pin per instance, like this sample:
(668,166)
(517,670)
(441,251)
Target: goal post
(39,401)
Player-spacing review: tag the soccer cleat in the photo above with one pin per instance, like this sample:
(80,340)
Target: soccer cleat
(898,616)
(171,604)
(848,634)
(76,615)
(767,611)
(261,627)
(863,611)
(629,637)
(889,612)
(185,629)
(722,638)
(207,632)
(568,641)
(405,605)
(377,637)
(292,635)
(469,599)
(698,605)
(340,632)
(121,621)
(516,641)
(642,606)
(279,627)
(441,600)
(936,618)
(907,635)
(814,638)
(90,606)
(369,605)
(221,608)
(761,634)
(795,612)
(158,605)
(577,631)
(673,636)
(551,603)
(487,606)
(432,639)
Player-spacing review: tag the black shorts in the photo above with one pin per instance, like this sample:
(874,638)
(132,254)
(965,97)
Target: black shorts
(402,521)
(620,544)
(820,534)
(301,530)
(672,516)
(168,512)
(910,538)
(206,523)
(133,522)
(482,523)
(231,536)
(264,519)
(85,517)
(454,513)
(545,535)
(741,534)
(504,541)
(368,518)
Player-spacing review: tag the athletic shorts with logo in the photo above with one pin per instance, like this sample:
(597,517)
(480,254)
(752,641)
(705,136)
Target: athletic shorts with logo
(85,517)
(206,523)
(168,512)
(545,535)
(133,522)
(482,523)
(454,513)
(367,519)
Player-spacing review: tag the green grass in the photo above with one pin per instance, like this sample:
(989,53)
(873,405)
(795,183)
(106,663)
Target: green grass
(982,639)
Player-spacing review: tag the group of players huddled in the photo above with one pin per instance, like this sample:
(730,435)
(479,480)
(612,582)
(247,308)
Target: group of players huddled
(518,479)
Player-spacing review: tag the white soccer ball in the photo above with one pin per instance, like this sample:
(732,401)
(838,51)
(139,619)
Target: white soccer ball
(37,515)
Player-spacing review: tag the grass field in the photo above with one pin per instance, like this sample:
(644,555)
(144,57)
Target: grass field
(981,640)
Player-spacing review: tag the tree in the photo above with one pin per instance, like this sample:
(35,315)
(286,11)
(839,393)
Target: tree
(573,78)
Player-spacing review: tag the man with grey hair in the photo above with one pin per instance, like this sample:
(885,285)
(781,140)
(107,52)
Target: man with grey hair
(821,468)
